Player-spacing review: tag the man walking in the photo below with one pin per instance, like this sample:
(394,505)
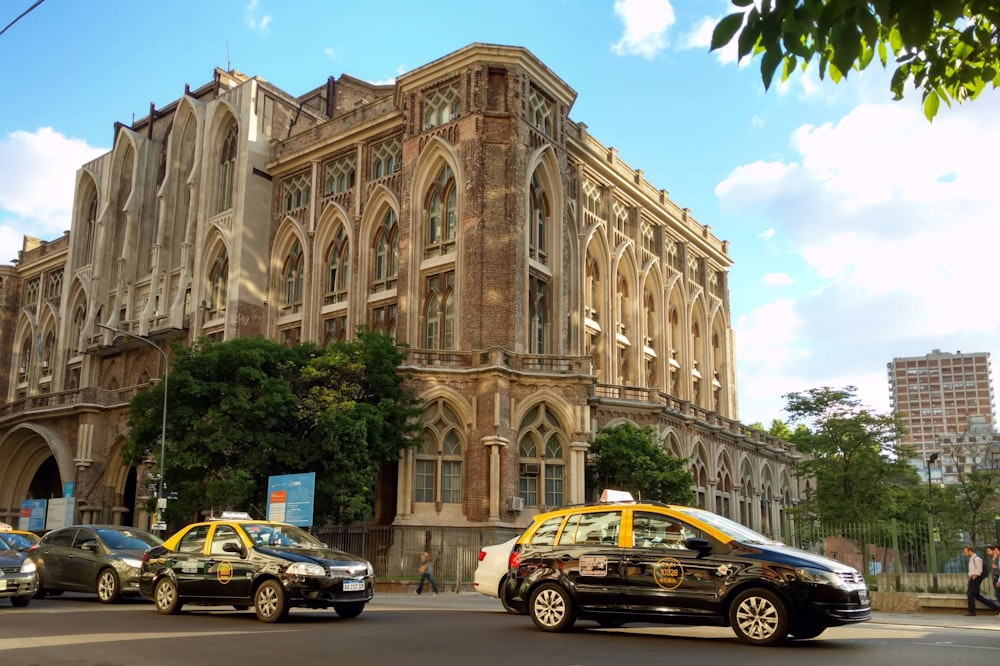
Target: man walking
(975,580)
(994,553)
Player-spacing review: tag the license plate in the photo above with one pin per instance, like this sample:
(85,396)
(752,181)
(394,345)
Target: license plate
(863,596)
(354,585)
(3,585)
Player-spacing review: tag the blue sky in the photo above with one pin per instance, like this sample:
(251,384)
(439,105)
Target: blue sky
(860,231)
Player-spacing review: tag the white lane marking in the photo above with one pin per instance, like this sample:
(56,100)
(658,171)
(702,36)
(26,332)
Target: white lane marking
(84,639)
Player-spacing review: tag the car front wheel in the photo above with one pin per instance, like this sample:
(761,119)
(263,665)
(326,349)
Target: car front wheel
(21,602)
(759,617)
(165,597)
(109,590)
(551,608)
(352,609)
(270,602)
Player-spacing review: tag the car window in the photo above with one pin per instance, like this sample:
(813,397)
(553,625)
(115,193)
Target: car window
(654,530)
(16,541)
(545,535)
(194,540)
(62,538)
(127,539)
(594,528)
(223,534)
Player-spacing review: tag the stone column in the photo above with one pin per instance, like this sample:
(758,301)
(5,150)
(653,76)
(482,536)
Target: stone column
(496,446)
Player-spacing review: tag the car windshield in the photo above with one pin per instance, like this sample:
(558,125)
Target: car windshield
(128,539)
(3,544)
(281,535)
(16,541)
(730,528)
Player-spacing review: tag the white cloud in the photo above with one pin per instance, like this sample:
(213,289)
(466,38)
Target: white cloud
(646,23)
(330,53)
(894,219)
(254,20)
(37,180)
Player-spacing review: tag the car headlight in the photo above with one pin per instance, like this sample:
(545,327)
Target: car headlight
(371,569)
(132,562)
(305,569)
(820,577)
(28,566)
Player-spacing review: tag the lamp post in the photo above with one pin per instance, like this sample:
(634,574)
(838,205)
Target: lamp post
(932,551)
(160,497)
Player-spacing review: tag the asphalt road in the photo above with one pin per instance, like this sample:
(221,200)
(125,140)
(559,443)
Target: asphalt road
(444,630)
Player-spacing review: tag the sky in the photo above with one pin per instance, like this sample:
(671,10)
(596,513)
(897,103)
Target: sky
(860,232)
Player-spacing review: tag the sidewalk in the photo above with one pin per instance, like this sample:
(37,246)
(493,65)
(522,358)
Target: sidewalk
(473,601)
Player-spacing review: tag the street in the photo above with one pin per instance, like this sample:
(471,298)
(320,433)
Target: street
(444,630)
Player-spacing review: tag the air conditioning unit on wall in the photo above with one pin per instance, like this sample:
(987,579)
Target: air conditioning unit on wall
(515,504)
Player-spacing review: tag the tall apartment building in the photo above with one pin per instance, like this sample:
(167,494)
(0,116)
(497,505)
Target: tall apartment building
(543,287)
(938,394)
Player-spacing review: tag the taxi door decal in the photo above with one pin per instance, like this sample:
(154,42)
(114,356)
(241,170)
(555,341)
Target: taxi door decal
(668,573)
(225,572)
(593,565)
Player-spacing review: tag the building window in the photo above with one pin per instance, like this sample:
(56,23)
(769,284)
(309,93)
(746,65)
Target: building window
(340,175)
(383,319)
(442,105)
(296,193)
(334,329)
(294,279)
(386,250)
(218,280)
(592,199)
(442,215)
(541,458)
(32,289)
(79,319)
(48,348)
(227,169)
(541,112)
(593,289)
(25,365)
(387,158)
(438,464)
(53,285)
(291,336)
(338,268)
(537,222)
(538,313)
(439,311)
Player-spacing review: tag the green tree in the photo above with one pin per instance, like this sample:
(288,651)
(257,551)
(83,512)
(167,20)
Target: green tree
(949,49)
(969,506)
(861,471)
(626,457)
(243,410)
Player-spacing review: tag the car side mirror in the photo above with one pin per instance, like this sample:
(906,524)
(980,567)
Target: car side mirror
(89,546)
(231,547)
(703,546)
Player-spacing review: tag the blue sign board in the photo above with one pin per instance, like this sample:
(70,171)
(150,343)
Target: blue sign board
(33,515)
(290,498)
(68,487)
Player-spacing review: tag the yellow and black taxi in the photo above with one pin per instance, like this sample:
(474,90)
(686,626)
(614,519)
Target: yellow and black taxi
(19,540)
(268,565)
(622,561)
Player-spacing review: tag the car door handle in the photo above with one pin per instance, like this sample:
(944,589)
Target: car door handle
(565,557)
(633,559)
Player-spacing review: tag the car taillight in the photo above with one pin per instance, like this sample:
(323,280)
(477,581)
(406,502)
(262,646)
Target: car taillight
(514,560)
(145,556)
(482,555)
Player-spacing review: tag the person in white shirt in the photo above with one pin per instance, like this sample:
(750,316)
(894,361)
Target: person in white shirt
(975,580)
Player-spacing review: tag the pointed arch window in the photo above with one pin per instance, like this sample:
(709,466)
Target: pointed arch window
(227,169)
(25,361)
(439,311)
(79,319)
(438,462)
(538,313)
(593,293)
(385,266)
(48,350)
(338,268)
(538,216)
(89,228)
(218,280)
(294,279)
(442,215)
(541,458)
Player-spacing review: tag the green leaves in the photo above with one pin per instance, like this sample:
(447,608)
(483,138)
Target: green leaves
(626,457)
(949,49)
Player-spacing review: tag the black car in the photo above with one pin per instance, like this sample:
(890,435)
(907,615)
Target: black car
(242,563)
(102,559)
(645,562)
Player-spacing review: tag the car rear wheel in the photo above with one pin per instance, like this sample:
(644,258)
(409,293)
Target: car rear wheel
(551,608)
(352,609)
(505,598)
(807,630)
(21,602)
(109,590)
(165,597)
(759,617)
(270,602)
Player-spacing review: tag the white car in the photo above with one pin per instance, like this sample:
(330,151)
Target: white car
(491,572)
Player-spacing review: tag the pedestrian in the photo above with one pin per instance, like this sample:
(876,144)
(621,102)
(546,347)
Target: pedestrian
(427,572)
(994,553)
(975,580)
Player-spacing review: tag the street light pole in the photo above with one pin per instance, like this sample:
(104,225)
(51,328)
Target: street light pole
(932,544)
(160,497)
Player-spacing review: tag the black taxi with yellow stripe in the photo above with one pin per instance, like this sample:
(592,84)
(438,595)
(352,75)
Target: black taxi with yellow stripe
(621,561)
(242,563)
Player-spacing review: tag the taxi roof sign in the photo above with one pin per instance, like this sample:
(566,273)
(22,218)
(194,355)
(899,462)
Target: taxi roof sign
(617,496)
(234,515)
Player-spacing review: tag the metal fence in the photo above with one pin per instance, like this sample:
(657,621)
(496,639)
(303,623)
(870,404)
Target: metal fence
(395,550)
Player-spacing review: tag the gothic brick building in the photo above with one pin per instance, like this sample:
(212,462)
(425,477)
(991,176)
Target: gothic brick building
(544,289)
